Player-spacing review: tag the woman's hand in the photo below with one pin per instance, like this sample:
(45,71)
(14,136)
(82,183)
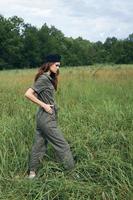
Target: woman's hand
(47,108)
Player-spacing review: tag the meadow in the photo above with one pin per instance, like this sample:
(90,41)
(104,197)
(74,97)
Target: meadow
(95,116)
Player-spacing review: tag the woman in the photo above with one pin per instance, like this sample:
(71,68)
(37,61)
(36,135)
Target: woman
(42,93)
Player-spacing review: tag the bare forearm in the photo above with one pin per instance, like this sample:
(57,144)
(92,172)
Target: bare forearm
(30,94)
(35,100)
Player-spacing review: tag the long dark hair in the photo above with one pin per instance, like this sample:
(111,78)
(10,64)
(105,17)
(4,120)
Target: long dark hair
(45,68)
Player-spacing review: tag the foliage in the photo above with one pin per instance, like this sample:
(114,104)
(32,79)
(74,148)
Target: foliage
(23,45)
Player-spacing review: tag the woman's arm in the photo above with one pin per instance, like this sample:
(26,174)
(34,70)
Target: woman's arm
(31,95)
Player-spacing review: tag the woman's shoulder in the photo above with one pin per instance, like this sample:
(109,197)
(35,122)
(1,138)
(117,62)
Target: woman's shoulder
(43,77)
(46,76)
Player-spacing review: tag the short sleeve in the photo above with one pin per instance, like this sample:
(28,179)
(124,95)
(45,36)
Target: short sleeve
(40,84)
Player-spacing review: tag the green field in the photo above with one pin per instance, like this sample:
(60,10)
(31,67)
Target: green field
(95,116)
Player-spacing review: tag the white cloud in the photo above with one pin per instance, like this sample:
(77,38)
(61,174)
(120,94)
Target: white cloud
(91,19)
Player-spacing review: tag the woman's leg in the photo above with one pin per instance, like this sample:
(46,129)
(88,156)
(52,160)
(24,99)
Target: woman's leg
(55,137)
(39,149)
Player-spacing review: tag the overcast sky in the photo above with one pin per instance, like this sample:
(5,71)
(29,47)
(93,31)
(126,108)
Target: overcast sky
(91,19)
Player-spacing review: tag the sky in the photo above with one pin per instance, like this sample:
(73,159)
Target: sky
(90,19)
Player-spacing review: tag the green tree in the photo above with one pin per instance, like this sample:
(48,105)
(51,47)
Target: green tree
(31,48)
(11,41)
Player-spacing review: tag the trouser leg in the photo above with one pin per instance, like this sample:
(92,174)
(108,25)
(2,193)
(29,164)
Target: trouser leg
(55,137)
(39,149)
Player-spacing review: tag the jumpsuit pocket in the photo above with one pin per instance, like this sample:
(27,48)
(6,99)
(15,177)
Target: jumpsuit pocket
(46,118)
(39,113)
(52,116)
(43,114)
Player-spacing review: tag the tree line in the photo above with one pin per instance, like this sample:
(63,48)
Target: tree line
(24,45)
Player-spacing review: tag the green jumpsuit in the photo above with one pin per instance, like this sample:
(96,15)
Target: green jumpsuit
(46,127)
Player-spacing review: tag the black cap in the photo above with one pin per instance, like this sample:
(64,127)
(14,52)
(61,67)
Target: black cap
(53,58)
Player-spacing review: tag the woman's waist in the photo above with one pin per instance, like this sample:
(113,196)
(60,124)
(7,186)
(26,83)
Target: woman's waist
(54,108)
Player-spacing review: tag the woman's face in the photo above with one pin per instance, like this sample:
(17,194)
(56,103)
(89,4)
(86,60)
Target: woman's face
(54,67)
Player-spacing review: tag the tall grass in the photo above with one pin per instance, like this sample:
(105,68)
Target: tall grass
(95,116)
